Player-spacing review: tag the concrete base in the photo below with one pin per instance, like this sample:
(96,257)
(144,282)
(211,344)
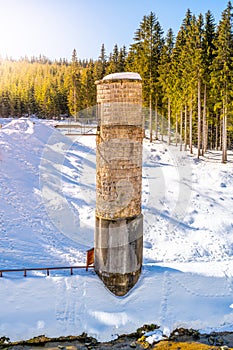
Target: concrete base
(118,252)
(119,284)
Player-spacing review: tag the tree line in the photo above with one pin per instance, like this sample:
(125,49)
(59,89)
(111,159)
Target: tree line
(187,80)
(52,88)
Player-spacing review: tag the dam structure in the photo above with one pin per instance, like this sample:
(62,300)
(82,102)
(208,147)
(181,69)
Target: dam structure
(118,218)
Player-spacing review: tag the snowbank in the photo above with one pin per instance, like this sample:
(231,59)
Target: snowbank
(47,189)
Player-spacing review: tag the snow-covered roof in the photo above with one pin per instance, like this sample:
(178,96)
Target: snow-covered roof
(123,75)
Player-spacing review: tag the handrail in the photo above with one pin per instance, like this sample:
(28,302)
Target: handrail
(47,269)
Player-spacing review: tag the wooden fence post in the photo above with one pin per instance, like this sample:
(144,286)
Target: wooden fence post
(89,258)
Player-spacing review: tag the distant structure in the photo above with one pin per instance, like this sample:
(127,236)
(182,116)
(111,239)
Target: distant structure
(119,222)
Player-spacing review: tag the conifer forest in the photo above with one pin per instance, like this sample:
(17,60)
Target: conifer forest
(187,80)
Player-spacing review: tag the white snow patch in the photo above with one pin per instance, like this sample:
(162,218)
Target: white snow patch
(22,125)
(47,190)
(154,337)
(123,75)
(111,318)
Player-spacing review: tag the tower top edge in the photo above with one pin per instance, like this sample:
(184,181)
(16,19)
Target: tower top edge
(120,76)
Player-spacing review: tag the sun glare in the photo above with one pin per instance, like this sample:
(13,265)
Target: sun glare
(20,28)
(12,30)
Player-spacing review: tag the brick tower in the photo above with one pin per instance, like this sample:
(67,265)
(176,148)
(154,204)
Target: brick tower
(119,222)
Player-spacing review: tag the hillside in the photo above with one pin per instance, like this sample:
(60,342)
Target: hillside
(47,189)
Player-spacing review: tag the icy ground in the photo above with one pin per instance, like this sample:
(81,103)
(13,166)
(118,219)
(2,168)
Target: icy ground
(47,206)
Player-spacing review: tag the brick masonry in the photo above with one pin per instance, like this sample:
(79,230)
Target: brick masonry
(119,149)
(119,222)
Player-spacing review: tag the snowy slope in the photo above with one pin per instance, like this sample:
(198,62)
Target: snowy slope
(29,238)
(47,191)
(194,213)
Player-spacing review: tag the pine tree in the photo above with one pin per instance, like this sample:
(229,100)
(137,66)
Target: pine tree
(194,72)
(144,58)
(113,61)
(88,89)
(208,56)
(74,97)
(177,75)
(100,66)
(165,76)
(199,66)
(122,59)
(222,74)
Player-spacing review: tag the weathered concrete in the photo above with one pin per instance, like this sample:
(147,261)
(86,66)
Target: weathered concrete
(118,252)
(119,223)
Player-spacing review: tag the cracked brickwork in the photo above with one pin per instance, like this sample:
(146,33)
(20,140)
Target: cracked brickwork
(119,222)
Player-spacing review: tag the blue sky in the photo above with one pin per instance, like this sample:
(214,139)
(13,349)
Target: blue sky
(55,27)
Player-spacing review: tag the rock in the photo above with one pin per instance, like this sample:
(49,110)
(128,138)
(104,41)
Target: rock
(4,340)
(133,344)
(219,341)
(146,328)
(196,336)
(211,340)
(89,341)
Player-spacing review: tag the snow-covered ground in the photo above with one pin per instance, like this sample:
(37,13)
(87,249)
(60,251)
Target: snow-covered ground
(47,207)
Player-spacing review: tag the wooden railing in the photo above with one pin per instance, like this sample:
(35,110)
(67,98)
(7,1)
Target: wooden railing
(47,269)
(89,264)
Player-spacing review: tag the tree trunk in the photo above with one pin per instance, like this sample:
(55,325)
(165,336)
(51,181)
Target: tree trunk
(162,126)
(176,129)
(156,119)
(228,141)
(185,128)
(220,134)
(191,127)
(143,124)
(211,137)
(199,119)
(224,136)
(181,128)
(204,126)
(150,120)
(216,133)
(169,121)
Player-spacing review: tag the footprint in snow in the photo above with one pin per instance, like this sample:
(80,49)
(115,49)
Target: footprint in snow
(147,245)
